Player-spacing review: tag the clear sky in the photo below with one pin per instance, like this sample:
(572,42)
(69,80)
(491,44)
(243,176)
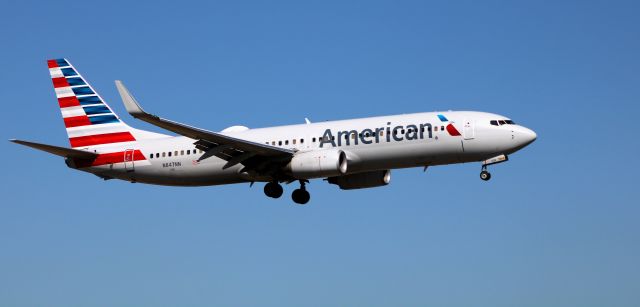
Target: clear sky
(556,226)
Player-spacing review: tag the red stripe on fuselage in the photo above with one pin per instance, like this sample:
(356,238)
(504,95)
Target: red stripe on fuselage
(70,101)
(76,121)
(99,139)
(60,82)
(52,63)
(109,158)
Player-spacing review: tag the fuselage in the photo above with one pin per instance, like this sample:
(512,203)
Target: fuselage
(352,154)
(370,144)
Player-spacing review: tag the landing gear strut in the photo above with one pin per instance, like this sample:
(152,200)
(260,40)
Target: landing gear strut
(301,196)
(273,189)
(484,174)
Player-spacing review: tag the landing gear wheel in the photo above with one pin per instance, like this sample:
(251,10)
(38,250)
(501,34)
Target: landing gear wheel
(300,196)
(484,175)
(273,190)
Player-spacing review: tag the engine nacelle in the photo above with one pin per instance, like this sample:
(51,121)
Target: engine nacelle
(362,180)
(318,164)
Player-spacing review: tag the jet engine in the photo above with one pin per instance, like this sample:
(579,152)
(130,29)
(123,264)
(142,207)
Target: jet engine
(318,164)
(362,180)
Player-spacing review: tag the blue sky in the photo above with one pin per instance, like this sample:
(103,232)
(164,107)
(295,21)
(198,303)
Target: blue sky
(556,226)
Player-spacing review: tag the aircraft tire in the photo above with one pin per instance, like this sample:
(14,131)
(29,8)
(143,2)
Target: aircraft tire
(484,175)
(300,196)
(273,190)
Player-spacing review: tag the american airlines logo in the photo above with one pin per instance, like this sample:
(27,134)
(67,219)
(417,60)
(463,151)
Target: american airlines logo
(382,134)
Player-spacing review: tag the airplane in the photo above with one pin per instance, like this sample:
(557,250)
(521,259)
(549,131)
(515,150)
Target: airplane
(352,154)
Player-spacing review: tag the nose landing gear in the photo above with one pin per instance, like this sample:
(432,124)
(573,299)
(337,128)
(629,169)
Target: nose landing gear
(484,174)
(301,196)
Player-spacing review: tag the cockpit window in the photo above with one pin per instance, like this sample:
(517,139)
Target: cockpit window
(501,122)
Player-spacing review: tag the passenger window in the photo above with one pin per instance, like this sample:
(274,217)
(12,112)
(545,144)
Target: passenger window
(442,128)
(286,142)
(301,141)
(169,154)
(163,154)
(273,143)
(182,152)
(435,128)
(176,153)
(188,151)
(279,143)
(294,141)
(313,140)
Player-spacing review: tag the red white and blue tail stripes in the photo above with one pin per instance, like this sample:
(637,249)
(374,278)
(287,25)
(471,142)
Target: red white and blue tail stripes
(88,119)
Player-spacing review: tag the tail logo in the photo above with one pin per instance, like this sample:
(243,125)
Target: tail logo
(88,119)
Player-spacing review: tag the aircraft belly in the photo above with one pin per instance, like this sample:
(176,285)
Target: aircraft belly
(179,173)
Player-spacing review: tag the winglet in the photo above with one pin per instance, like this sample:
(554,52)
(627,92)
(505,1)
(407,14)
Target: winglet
(130,103)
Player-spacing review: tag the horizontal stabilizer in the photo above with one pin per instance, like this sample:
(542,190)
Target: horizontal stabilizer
(59,151)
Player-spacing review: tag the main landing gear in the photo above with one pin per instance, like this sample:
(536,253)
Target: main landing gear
(299,196)
(273,189)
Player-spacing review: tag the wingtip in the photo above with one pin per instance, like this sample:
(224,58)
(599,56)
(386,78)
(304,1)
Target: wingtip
(130,103)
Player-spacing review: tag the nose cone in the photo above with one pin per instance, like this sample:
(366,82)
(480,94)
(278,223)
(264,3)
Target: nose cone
(522,137)
(527,136)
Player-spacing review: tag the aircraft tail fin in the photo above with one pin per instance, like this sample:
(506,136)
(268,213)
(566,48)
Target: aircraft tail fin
(89,121)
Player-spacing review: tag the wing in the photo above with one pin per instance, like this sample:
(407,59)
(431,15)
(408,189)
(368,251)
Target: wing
(254,156)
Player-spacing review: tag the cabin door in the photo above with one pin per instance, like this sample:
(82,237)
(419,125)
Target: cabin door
(469,131)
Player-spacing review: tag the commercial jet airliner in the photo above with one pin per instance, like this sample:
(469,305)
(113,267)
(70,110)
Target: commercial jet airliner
(352,154)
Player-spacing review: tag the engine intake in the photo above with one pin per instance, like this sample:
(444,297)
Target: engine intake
(362,180)
(318,164)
